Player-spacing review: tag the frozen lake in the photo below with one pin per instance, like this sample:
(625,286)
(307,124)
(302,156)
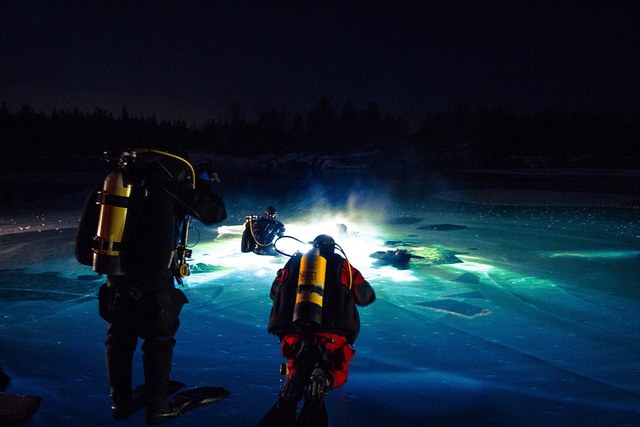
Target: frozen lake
(522,308)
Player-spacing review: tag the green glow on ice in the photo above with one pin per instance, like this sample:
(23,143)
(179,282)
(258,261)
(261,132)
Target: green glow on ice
(593,254)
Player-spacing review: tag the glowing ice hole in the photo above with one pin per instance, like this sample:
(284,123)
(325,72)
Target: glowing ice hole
(531,282)
(357,240)
(473,264)
(396,276)
(501,276)
(225,230)
(593,254)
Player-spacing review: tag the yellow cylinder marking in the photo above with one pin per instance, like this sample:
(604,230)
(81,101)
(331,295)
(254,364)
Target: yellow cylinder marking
(310,297)
(312,270)
(112,218)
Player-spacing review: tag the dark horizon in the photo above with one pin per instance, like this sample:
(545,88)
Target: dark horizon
(465,137)
(195,61)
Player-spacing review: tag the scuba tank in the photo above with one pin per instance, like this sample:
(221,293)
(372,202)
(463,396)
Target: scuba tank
(248,242)
(307,312)
(114,201)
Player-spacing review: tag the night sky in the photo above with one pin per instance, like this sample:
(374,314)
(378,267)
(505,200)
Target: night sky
(193,59)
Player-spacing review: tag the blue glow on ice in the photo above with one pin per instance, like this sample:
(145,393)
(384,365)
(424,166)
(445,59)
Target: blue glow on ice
(556,340)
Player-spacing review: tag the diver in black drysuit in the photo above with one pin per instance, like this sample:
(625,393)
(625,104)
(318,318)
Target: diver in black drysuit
(260,233)
(143,302)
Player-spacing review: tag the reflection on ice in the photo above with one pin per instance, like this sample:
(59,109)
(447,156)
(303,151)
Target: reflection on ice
(593,254)
(473,264)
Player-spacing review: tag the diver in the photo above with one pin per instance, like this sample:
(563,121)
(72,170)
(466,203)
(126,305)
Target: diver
(315,318)
(398,258)
(133,229)
(260,233)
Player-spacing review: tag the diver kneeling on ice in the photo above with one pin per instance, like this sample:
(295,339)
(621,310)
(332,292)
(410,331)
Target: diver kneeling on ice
(134,230)
(260,233)
(315,317)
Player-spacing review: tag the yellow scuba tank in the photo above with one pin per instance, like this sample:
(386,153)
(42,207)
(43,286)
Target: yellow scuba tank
(307,312)
(114,201)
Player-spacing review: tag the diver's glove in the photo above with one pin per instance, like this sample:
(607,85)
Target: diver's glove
(319,386)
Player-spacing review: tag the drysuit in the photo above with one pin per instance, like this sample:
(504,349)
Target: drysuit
(143,302)
(317,360)
(259,235)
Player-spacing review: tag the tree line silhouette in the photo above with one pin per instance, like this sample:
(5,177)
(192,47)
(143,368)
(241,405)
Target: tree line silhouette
(465,137)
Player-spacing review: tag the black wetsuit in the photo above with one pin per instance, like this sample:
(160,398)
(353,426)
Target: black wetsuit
(144,302)
(259,235)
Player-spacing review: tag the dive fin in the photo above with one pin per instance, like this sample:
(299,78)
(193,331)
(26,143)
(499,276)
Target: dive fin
(279,416)
(313,415)
(140,398)
(140,393)
(15,409)
(188,400)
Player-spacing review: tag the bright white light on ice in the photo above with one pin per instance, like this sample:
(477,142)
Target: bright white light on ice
(358,240)
(473,264)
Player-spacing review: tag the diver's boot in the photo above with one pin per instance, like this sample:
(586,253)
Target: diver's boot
(283,412)
(158,412)
(291,391)
(314,410)
(320,382)
(280,415)
(313,414)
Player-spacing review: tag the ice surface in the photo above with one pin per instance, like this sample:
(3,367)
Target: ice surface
(555,279)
